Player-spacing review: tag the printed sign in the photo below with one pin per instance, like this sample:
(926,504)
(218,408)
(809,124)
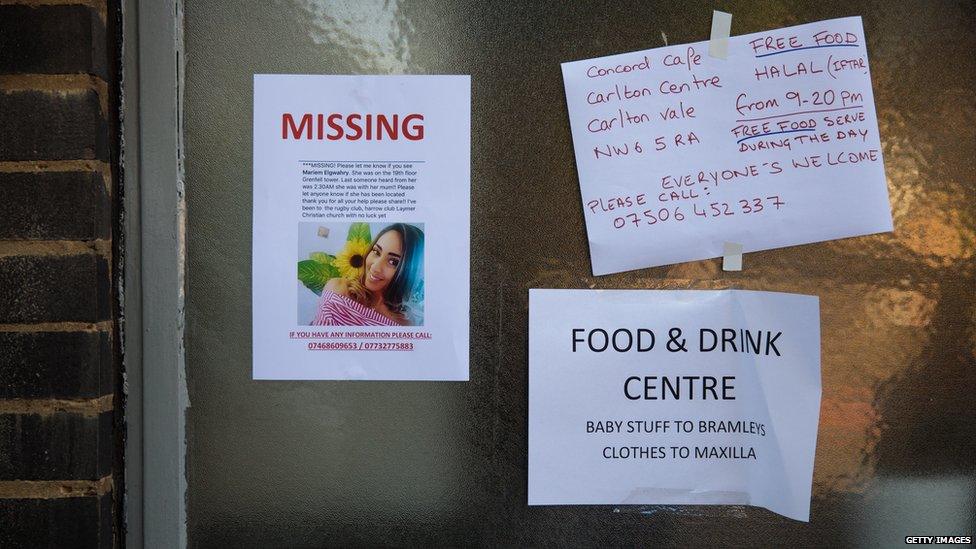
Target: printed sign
(679,152)
(673,397)
(361,227)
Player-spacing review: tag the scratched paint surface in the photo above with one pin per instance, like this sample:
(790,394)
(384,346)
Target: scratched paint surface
(306,464)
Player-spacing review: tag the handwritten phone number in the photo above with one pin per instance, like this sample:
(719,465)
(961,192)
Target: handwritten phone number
(714,209)
(362,346)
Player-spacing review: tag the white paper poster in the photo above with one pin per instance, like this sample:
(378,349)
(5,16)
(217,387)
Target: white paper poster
(361,227)
(673,397)
(679,152)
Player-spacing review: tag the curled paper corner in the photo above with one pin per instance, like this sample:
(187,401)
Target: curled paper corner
(718,44)
(324,232)
(685,496)
(732,256)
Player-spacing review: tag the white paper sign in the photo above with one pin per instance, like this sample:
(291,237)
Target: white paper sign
(673,397)
(679,152)
(362,188)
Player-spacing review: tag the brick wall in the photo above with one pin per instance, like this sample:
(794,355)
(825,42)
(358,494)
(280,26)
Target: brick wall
(60,440)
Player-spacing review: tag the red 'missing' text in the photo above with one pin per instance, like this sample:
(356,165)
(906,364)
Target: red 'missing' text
(353,127)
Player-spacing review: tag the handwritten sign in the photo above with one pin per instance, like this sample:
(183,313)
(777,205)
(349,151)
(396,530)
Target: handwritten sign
(673,397)
(679,152)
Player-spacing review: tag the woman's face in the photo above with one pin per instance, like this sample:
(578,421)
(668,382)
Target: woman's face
(383,260)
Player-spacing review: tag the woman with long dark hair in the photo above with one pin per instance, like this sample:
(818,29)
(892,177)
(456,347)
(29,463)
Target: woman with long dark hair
(392,271)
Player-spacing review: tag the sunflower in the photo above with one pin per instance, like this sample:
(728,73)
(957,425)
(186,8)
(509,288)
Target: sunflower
(352,258)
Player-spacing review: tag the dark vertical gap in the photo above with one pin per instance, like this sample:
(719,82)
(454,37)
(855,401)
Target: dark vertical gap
(113,33)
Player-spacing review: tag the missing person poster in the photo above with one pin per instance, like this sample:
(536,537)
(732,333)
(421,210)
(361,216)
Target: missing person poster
(361,227)
(673,397)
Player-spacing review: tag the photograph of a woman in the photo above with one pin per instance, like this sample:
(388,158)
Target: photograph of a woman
(384,283)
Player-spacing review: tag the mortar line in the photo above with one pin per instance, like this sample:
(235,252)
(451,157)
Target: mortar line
(101,247)
(103,326)
(55,489)
(60,82)
(100,6)
(49,406)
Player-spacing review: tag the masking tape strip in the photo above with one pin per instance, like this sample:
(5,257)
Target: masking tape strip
(732,257)
(718,45)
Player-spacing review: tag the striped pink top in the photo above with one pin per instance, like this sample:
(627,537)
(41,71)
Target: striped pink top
(339,310)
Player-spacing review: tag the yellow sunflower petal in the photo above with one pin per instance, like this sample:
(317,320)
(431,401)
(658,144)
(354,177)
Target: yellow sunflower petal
(351,259)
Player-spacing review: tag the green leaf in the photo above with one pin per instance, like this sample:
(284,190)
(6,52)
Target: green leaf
(359,231)
(322,257)
(314,274)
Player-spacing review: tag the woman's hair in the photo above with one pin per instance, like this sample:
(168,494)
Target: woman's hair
(408,274)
